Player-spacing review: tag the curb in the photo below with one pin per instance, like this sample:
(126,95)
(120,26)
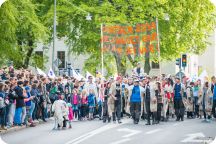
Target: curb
(17,128)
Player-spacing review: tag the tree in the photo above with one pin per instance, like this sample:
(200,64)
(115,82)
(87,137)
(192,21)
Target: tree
(21,29)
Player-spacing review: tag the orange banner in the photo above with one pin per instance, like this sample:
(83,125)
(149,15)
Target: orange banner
(123,39)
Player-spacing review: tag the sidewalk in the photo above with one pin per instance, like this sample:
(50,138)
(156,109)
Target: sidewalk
(17,128)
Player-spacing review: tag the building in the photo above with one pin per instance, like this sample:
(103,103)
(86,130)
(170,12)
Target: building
(61,53)
(207,60)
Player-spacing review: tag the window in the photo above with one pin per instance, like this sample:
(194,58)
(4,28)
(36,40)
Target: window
(39,53)
(61,56)
(155,65)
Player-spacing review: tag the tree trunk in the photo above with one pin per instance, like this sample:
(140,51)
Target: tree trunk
(29,53)
(147,67)
(120,62)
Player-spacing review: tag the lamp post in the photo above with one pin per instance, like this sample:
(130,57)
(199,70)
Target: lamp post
(54,35)
(88,17)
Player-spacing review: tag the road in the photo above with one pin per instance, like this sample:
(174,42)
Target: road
(95,132)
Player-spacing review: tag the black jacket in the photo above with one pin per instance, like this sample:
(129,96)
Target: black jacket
(20,99)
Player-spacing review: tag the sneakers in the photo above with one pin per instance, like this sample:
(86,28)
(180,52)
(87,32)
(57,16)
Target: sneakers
(119,121)
(44,120)
(148,123)
(206,121)
(109,119)
(3,128)
(135,122)
(32,125)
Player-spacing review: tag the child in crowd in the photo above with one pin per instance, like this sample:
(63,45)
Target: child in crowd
(91,103)
(84,104)
(75,101)
(70,115)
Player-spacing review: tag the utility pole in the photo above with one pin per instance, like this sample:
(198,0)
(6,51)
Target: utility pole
(54,36)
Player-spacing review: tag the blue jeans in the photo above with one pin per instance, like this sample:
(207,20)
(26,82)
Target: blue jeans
(196,106)
(11,114)
(2,116)
(18,115)
(32,109)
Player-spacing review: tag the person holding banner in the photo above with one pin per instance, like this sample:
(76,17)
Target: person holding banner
(138,70)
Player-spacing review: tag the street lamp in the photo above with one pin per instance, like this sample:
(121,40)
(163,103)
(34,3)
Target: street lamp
(166,17)
(89,17)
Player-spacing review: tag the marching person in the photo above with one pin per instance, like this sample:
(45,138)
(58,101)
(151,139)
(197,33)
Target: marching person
(136,98)
(196,98)
(168,99)
(150,98)
(159,95)
(106,116)
(206,102)
(178,103)
(116,94)
(189,107)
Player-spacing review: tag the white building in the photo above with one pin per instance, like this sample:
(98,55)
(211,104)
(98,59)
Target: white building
(207,60)
(61,52)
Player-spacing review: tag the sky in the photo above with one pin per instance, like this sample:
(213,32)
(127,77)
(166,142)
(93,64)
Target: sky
(214,2)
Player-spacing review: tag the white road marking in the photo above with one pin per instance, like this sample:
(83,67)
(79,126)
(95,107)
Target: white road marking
(121,141)
(153,131)
(132,132)
(214,141)
(192,138)
(2,142)
(95,132)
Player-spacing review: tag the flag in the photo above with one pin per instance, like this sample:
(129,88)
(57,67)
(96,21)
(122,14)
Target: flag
(40,72)
(77,75)
(51,73)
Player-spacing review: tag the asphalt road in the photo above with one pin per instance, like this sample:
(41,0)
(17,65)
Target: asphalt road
(95,132)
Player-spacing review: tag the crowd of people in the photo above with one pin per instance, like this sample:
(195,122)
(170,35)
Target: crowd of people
(25,98)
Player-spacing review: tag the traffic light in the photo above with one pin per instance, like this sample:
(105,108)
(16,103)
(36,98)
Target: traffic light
(184,60)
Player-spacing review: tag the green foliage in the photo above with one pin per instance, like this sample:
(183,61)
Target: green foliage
(20,29)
